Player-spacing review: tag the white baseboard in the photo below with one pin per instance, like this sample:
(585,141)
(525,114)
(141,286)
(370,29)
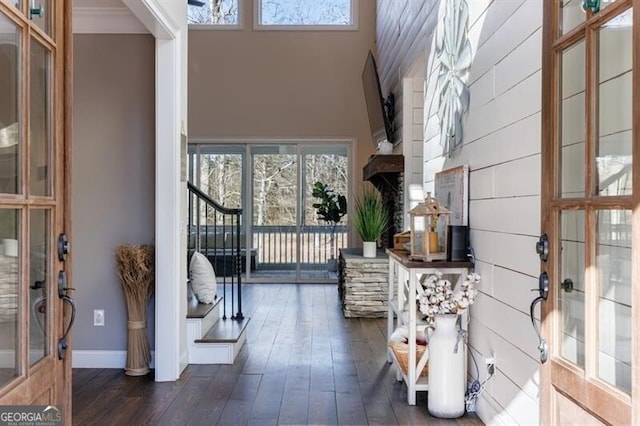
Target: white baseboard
(103,359)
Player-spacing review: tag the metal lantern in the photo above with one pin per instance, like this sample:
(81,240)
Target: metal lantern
(429,223)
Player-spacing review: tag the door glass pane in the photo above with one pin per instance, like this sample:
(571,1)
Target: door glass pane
(10,136)
(571,15)
(9,279)
(38,273)
(613,251)
(275,198)
(572,121)
(320,241)
(40,129)
(571,302)
(41,14)
(613,149)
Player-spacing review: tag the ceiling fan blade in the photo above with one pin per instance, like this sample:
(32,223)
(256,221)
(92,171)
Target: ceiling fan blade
(198,3)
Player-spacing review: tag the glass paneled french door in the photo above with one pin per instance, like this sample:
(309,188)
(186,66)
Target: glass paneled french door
(35,311)
(273,184)
(590,205)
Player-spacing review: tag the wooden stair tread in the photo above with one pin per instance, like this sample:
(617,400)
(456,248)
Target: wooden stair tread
(196,309)
(225,331)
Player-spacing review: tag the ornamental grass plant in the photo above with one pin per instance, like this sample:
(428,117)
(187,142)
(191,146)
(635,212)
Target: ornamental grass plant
(370,218)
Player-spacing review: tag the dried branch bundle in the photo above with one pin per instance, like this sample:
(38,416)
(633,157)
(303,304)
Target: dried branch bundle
(135,269)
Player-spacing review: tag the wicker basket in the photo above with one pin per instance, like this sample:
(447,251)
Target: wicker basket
(401,352)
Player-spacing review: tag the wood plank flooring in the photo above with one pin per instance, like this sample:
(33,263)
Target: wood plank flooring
(303,363)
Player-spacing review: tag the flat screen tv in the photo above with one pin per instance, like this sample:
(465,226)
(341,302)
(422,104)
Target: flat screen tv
(379,121)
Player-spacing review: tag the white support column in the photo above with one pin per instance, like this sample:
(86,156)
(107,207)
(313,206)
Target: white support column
(168,202)
(167,23)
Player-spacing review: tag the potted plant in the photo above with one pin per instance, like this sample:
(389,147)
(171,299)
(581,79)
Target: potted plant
(331,208)
(371,219)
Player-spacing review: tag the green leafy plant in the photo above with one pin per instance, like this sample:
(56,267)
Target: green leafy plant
(371,217)
(331,208)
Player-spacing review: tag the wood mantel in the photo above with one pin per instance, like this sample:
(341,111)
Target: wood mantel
(382,167)
(384,172)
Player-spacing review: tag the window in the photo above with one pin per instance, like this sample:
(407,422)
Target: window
(215,13)
(305,14)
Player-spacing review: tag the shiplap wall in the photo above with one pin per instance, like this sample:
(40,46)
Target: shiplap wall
(401,30)
(501,145)
(412,141)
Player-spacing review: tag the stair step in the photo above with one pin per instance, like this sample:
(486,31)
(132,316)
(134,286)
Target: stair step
(225,331)
(196,309)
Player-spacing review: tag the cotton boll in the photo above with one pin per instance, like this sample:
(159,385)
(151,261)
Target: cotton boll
(400,334)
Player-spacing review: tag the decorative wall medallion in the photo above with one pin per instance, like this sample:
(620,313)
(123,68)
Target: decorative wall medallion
(453,51)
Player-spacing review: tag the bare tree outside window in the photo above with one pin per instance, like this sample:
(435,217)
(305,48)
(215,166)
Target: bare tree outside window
(305,12)
(214,12)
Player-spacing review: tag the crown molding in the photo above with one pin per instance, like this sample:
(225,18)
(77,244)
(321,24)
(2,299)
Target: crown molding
(106,20)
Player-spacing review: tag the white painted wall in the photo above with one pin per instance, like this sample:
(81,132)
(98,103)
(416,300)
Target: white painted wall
(412,142)
(501,145)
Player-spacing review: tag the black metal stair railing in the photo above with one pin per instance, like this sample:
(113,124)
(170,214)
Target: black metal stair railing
(215,231)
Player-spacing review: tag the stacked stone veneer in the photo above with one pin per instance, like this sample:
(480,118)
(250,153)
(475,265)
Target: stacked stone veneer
(8,288)
(363,285)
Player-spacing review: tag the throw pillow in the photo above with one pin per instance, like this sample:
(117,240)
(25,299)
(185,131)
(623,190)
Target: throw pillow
(203,278)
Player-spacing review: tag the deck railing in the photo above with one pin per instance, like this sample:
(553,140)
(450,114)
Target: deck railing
(277,246)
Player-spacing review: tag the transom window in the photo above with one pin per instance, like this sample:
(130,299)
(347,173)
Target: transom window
(305,14)
(220,13)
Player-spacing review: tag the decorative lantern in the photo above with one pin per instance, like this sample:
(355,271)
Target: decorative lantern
(429,223)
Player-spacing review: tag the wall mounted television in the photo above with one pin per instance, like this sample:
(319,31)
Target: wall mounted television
(379,110)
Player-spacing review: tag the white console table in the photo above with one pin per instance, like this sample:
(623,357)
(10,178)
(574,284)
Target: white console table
(404,277)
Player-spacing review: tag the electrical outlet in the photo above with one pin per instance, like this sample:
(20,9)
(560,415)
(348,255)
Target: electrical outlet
(98,317)
(491,365)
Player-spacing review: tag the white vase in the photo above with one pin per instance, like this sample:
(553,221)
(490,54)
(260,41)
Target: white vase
(447,385)
(369,249)
(385,147)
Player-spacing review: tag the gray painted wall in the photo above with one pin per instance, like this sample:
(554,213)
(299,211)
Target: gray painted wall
(113,176)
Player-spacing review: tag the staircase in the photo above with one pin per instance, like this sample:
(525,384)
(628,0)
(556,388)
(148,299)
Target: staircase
(214,230)
(211,339)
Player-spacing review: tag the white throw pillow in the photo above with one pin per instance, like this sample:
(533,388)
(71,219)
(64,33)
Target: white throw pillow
(203,278)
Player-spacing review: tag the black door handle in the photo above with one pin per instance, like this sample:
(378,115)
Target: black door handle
(62,342)
(567,285)
(543,290)
(542,247)
(543,286)
(63,247)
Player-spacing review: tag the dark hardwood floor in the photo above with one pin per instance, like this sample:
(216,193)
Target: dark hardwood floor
(303,363)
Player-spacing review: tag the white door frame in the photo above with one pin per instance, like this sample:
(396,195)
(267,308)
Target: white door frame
(170,302)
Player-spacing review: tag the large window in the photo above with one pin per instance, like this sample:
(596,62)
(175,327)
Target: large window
(215,14)
(305,14)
